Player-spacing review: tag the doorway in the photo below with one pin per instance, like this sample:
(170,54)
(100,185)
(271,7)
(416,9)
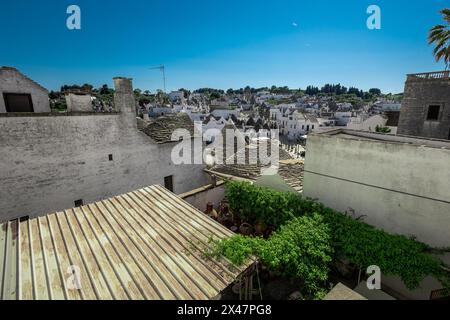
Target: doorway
(18,102)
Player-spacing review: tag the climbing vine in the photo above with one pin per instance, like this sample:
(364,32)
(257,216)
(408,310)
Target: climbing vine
(299,249)
(360,243)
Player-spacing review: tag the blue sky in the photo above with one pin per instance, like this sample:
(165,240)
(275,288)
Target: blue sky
(220,43)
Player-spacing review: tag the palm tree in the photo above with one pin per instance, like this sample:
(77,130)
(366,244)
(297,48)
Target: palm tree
(440,36)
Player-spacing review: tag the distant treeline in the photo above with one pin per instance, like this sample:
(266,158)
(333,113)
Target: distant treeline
(338,89)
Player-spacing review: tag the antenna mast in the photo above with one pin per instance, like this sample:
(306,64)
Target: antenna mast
(161,68)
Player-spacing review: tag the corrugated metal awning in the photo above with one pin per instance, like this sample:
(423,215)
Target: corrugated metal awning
(146,244)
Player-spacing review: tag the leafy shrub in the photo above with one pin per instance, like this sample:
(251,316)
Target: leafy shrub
(300,249)
(237,248)
(362,244)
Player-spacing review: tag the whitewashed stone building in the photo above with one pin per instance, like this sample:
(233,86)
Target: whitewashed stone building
(51,162)
(19,93)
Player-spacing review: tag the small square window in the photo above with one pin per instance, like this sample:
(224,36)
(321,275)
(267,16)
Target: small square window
(78,203)
(110,157)
(433,112)
(168,183)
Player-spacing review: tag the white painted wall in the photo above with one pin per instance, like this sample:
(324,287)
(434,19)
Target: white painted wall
(12,81)
(201,198)
(48,162)
(396,186)
(225,113)
(367,124)
(79,103)
(411,179)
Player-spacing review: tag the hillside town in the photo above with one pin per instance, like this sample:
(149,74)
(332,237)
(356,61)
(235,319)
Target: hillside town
(325,192)
(295,113)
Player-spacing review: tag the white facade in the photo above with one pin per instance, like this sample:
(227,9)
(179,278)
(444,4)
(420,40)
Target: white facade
(16,90)
(342,117)
(51,161)
(226,113)
(398,184)
(78,102)
(401,184)
(367,123)
(176,95)
(293,124)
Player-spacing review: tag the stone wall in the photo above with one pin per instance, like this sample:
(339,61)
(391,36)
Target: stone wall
(419,94)
(399,187)
(402,188)
(78,102)
(47,162)
(12,81)
(200,197)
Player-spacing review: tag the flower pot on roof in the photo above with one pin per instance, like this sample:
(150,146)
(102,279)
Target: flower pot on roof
(226,218)
(246,229)
(260,228)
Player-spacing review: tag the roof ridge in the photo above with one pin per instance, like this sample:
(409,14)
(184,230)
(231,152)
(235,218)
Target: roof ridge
(23,75)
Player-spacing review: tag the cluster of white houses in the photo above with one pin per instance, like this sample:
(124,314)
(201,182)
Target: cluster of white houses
(292,123)
(102,165)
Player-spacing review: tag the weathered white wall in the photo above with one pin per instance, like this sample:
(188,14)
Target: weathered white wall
(76,102)
(48,162)
(199,198)
(12,81)
(370,124)
(401,188)
(396,186)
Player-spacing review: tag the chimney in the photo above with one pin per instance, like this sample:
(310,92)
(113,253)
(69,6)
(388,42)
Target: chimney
(124,97)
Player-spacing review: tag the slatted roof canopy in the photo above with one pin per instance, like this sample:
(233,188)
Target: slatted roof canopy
(145,244)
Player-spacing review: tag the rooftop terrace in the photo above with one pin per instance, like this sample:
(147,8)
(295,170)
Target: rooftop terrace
(370,136)
(430,75)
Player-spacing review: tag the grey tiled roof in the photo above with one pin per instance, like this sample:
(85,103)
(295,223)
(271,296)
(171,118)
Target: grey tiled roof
(162,128)
(292,174)
(291,171)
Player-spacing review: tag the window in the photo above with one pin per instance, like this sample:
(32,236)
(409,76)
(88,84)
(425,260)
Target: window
(18,102)
(78,203)
(442,294)
(168,183)
(110,157)
(433,112)
(313,127)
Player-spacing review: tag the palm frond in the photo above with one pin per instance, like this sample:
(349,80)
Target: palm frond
(439,35)
(446,14)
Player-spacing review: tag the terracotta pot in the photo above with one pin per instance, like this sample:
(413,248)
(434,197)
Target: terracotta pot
(260,228)
(246,229)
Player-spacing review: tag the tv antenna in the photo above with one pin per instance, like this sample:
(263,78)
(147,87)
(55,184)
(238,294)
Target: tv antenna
(161,68)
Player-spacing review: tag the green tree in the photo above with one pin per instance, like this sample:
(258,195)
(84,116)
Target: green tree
(375,91)
(440,36)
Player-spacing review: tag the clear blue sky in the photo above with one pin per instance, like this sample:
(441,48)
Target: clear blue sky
(220,43)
